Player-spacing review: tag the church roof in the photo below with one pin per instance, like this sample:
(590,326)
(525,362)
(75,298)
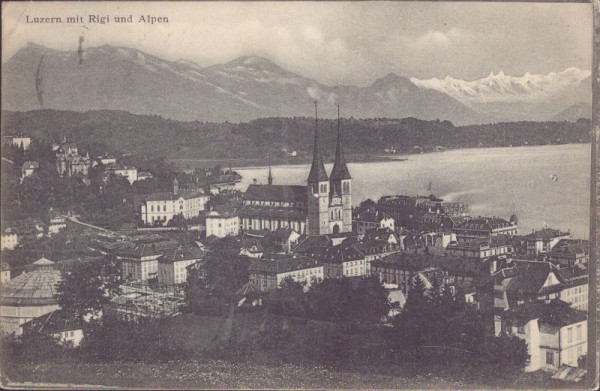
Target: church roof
(340,170)
(317,169)
(280,193)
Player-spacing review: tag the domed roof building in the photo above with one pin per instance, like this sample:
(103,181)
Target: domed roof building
(29,295)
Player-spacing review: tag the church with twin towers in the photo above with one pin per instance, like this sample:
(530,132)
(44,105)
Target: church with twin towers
(323,206)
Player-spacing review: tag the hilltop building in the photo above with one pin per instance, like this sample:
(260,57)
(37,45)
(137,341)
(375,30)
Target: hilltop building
(69,162)
(322,207)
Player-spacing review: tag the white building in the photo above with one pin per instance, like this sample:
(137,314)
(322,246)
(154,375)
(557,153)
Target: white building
(222,221)
(58,324)
(21,141)
(160,208)
(140,263)
(29,168)
(128,172)
(172,266)
(9,239)
(268,272)
(555,333)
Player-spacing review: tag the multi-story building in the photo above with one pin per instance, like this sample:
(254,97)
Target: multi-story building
(9,238)
(341,261)
(172,266)
(481,248)
(20,141)
(544,240)
(128,172)
(268,272)
(139,263)
(222,221)
(372,219)
(160,208)
(569,252)
(576,288)
(484,227)
(555,333)
(69,162)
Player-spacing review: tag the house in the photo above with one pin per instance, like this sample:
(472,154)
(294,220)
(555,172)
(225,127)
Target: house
(143,175)
(57,223)
(268,272)
(484,227)
(569,252)
(57,324)
(128,172)
(20,141)
(544,240)
(222,221)
(106,159)
(29,295)
(69,162)
(172,266)
(9,238)
(160,208)
(285,238)
(481,248)
(251,247)
(29,168)
(555,333)
(5,272)
(139,263)
(341,261)
(372,219)
(576,289)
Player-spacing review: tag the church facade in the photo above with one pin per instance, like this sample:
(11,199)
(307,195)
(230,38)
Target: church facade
(323,206)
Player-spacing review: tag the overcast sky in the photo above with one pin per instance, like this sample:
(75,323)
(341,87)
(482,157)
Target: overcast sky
(334,43)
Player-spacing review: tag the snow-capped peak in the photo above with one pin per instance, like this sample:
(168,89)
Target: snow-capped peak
(504,88)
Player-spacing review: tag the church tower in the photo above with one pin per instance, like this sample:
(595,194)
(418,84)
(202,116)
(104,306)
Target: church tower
(318,190)
(341,182)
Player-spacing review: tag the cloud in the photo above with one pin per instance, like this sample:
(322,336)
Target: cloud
(503,88)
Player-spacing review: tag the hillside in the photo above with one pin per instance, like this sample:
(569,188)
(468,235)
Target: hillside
(154,136)
(117,78)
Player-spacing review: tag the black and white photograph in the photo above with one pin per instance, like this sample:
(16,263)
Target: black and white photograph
(298,195)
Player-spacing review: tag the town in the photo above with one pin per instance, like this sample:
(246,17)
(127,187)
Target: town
(93,243)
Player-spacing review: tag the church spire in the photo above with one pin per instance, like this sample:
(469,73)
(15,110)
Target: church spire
(340,170)
(270,178)
(317,169)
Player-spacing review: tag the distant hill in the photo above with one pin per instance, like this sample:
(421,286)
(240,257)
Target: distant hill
(247,88)
(575,112)
(154,136)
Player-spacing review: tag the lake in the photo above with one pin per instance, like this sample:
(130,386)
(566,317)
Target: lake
(493,181)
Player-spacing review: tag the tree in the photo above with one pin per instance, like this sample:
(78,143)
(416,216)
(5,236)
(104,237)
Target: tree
(224,272)
(87,285)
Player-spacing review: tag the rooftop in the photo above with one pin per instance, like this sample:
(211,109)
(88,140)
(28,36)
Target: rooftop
(36,286)
(276,193)
(53,322)
(546,234)
(556,313)
(282,263)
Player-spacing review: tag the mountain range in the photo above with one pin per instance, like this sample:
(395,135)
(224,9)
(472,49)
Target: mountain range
(117,78)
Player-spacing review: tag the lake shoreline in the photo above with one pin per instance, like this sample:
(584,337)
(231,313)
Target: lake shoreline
(248,163)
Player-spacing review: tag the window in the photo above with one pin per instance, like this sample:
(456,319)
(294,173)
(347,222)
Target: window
(550,358)
(579,333)
(151,208)
(521,329)
(164,208)
(570,335)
